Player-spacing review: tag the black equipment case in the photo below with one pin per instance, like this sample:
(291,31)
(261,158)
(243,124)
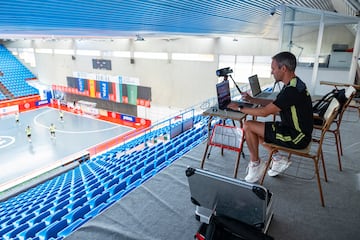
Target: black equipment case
(229,208)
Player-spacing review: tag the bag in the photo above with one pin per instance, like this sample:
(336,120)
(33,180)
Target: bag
(225,228)
(322,105)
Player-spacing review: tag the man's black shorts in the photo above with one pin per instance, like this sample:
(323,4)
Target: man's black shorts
(281,135)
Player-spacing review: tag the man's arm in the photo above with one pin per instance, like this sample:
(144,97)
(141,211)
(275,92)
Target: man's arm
(270,108)
(261,101)
(265,111)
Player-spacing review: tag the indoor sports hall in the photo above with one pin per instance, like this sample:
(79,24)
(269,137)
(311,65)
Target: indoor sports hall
(74,135)
(112,122)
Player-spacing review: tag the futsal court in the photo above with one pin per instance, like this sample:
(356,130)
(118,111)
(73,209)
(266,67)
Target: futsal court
(74,135)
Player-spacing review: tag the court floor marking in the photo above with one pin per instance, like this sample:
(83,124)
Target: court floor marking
(65,131)
(6,141)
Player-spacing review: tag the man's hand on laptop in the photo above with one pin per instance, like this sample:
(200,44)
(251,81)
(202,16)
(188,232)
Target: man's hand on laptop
(234,106)
(246,97)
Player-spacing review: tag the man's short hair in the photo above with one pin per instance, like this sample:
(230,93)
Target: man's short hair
(286,59)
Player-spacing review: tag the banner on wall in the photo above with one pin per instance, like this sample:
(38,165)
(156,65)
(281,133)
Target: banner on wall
(127,118)
(92,88)
(104,90)
(121,89)
(81,84)
(132,94)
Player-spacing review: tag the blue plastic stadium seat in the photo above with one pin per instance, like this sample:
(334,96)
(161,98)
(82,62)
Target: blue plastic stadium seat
(161,161)
(77,213)
(115,169)
(135,179)
(60,205)
(40,217)
(180,147)
(33,208)
(25,219)
(126,174)
(150,158)
(78,195)
(118,173)
(32,231)
(76,203)
(50,199)
(21,210)
(131,165)
(159,152)
(138,166)
(71,228)
(45,208)
(106,179)
(52,230)
(94,212)
(12,234)
(93,186)
(56,216)
(13,219)
(95,192)
(99,199)
(117,191)
(110,183)
(63,197)
(168,146)
(78,186)
(5,219)
(149,169)
(6,229)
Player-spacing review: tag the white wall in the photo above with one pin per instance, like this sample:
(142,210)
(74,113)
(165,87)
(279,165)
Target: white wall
(174,83)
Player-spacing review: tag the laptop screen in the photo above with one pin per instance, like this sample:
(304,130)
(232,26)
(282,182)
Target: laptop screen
(223,94)
(254,85)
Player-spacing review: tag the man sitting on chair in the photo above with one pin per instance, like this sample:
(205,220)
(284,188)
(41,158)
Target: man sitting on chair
(295,128)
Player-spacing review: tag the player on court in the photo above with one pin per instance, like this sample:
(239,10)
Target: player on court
(61,115)
(28,133)
(17,120)
(52,130)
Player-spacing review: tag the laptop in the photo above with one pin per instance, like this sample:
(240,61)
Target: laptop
(224,97)
(256,89)
(250,203)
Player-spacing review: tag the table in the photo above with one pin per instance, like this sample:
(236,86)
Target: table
(213,112)
(335,84)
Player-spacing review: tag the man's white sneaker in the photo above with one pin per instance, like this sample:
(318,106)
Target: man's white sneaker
(279,165)
(255,171)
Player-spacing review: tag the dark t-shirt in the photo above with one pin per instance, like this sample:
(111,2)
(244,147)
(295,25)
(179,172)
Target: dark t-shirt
(296,107)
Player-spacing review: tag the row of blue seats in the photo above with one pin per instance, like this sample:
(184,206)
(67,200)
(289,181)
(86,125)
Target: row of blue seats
(158,146)
(149,151)
(56,208)
(15,75)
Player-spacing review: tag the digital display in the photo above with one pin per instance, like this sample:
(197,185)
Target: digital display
(101,64)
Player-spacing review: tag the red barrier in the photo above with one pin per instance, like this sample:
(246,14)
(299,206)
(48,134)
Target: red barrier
(24,103)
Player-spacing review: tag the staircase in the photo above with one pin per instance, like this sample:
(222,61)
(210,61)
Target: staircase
(6,92)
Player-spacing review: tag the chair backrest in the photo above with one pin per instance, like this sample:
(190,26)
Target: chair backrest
(329,117)
(349,94)
(350,91)
(330,114)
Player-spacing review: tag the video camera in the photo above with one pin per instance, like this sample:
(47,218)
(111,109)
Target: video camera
(223,72)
